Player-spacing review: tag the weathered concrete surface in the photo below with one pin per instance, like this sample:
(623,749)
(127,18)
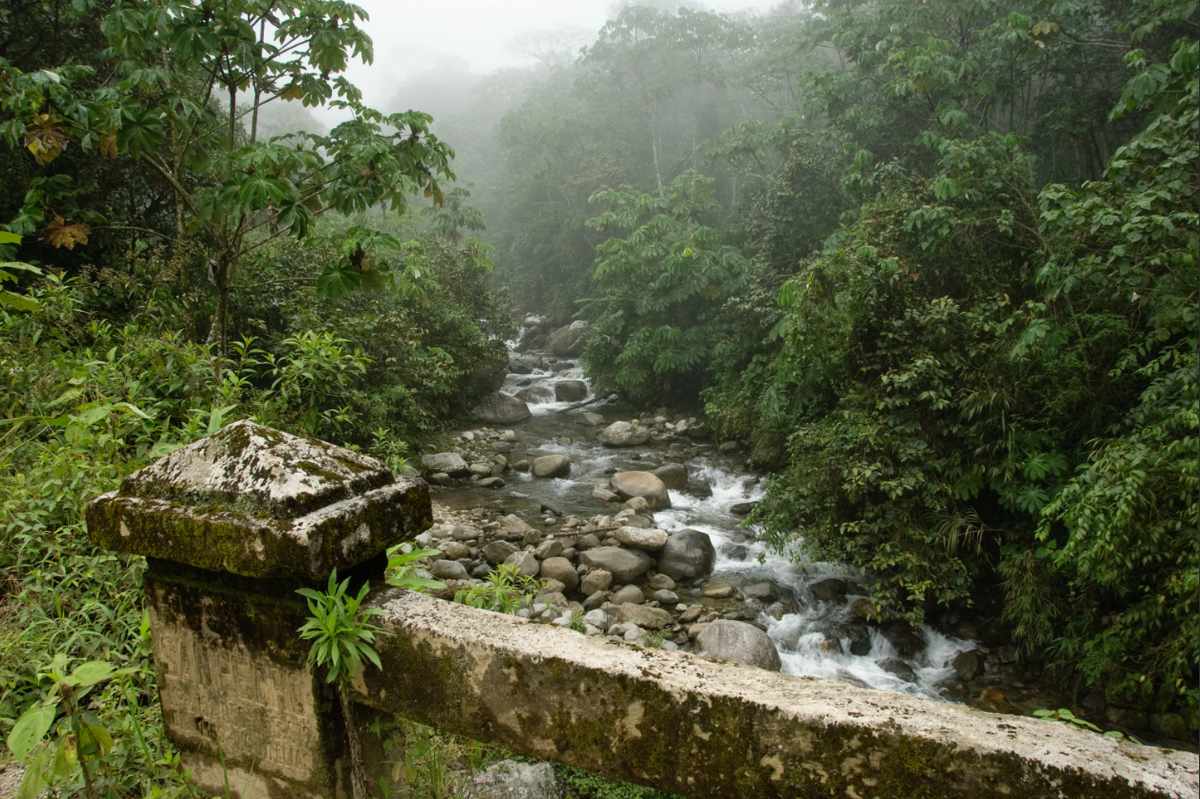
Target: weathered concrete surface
(255,502)
(234,683)
(705,729)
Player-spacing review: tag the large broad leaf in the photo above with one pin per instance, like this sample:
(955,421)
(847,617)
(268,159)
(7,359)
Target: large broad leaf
(338,280)
(29,729)
(89,673)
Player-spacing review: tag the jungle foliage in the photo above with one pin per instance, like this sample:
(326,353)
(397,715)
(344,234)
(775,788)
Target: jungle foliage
(942,282)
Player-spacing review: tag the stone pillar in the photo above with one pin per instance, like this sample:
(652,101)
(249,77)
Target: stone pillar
(230,526)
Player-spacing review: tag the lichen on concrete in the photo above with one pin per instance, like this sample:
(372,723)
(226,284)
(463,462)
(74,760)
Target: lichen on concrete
(256,502)
(703,729)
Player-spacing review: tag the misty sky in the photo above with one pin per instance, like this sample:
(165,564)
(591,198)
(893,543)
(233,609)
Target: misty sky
(474,35)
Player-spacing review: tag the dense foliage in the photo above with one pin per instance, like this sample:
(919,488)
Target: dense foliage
(942,281)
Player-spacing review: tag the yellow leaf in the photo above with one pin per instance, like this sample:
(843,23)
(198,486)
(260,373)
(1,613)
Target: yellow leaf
(61,234)
(1044,27)
(44,140)
(107,145)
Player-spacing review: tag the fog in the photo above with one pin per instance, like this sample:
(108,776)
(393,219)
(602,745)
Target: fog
(481,36)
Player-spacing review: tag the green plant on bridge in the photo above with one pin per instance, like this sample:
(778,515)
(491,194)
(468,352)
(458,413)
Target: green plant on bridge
(505,590)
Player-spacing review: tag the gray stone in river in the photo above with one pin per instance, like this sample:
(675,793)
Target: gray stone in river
(648,540)
(592,419)
(740,642)
(673,475)
(641,484)
(642,616)
(628,593)
(500,408)
(450,463)
(526,564)
(560,569)
(831,589)
(596,580)
(448,570)
(570,390)
(687,555)
(567,341)
(968,665)
(548,466)
(624,434)
(625,565)
(498,551)
(536,394)
(899,668)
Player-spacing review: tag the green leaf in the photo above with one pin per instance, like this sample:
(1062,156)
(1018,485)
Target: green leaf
(36,782)
(30,728)
(90,673)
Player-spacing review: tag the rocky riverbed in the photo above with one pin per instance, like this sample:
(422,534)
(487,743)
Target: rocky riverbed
(633,524)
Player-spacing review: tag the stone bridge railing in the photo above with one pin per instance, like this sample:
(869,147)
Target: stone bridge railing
(233,524)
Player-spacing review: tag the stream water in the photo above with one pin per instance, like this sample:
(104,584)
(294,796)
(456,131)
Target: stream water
(814,638)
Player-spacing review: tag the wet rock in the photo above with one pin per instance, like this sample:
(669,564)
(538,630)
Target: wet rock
(863,609)
(739,642)
(899,668)
(662,581)
(500,408)
(729,446)
(567,341)
(691,614)
(521,466)
(624,434)
(497,552)
(903,638)
(548,466)
(717,590)
(764,591)
(596,580)
(777,610)
(665,597)
(831,589)
(491,482)
(647,540)
(735,551)
(993,699)
(631,517)
(1127,717)
(642,616)
(486,377)
(480,469)
(742,508)
(453,550)
(832,646)
(968,665)
(625,565)
(535,395)
(1169,725)
(449,463)
(549,549)
(524,562)
(570,391)
(701,489)
(641,484)
(515,526)
(448,570)
(604,495)
(592,419)
(560,569)
(628,593)
(688,554)
(860,647)
(510,779)
(673,475)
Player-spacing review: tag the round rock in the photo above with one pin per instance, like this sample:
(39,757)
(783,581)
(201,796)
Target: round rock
(500,408)
(527,565)
(641,484)
(647,540)
(739,642)
(570,390)
(687,555)
(560,569)
(551,466)
(625,565)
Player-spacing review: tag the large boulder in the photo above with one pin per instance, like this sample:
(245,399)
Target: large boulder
(551,466)
(625,565)
(688,554)
(535,395)
(650,540)
(673,475)
(740,642)
(560,569)
(570,391)
(567,342)
(500,408)
(449,462)
(624,434)
(641,484)
(486,377)
(642,616)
